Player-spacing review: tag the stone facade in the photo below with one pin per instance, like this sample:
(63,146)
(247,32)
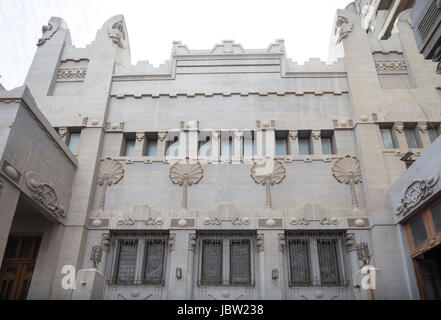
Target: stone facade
(257,185)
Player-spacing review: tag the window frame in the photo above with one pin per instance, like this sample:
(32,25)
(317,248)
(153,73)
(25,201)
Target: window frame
(312,238)
(393,137)
(226,237)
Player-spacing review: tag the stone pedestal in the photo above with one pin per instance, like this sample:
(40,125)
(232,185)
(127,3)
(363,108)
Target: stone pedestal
(89,285)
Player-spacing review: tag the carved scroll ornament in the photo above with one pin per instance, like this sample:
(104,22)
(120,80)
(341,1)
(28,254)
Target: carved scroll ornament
(269,173)
(45,194)
(347,170)
(186,175)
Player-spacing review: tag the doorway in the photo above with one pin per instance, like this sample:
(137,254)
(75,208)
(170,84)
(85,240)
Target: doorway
(428,272)
(18,266)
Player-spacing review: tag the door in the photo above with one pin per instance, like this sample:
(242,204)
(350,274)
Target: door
(18,266)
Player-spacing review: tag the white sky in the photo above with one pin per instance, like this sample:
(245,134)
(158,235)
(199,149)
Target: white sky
(306,26)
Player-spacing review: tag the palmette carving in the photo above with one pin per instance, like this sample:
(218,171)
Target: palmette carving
(269,173)
(347,170)
(186,175)
(110,172)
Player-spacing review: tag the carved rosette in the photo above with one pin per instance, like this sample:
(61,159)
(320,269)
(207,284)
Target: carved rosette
(347,170)
(269,173)
(45,194)
(110,172)
(186,175)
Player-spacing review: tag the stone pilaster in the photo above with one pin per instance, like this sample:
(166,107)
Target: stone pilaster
(293,143)
(399,133)
(161,144)
(424,135)
(140,144)
(316,142)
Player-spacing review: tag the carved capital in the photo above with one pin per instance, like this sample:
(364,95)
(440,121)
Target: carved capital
(140,136)
(162,136)
(192,242)
(316,134)
(422,126)
(171,241)
(399,127)
(350,242)
(293,134)
(260,243)
(62,132)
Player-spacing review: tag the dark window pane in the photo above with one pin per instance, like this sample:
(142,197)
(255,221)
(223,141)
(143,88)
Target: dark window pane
(418,232)
(386,135)
(410,137)
(12,247)
(130,148)
(326,146)
(299,262)
(433,134)
(328,261)
(211,262)
(37,247)
(74,139)
(26,247)
(436,215)
(154,260)
(429,281)
(304,146)
(127,261)
(240,261)
(281,149)
(152,146)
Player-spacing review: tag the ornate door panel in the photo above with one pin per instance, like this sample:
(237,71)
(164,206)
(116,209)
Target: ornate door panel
(18,266)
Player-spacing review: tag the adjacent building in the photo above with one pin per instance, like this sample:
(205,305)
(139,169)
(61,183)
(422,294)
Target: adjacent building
(226,173)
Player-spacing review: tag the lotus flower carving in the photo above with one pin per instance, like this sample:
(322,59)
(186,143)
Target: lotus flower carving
(347,170)
(268,173)
(186,175)
(110,172)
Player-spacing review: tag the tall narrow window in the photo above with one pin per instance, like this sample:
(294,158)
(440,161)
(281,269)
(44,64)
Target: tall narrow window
(152,144)
(326,146)
(205,147)
(386,135)
(74,139)
(154,260)
(436,216)
(129,146)
(211,262)
(227,146)
(411,137)
(328,261)
(299,261)
(240,272)
(433,134)
(281,142)
(304,148)
(173,148)
(248,145)
(419,233)
(126,267)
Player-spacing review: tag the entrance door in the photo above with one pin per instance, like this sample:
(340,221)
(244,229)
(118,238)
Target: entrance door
(18,266)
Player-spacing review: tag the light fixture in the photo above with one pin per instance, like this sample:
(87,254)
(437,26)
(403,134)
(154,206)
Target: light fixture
(275,274)
(178,273)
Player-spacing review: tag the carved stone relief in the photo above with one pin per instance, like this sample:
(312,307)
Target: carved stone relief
(186,175)
(96,256)
(49,30)
(117,34)
(73,74)
(45,194)
(192,242)
(260,243)
(110,172)
(282,241)
(329,221)
(172,241)
(390,66)
(343,27)
(350,242)
(347,170)
(267,174)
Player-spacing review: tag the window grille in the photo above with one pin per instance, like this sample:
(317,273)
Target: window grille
(226,258)
(137,258)
(317,258)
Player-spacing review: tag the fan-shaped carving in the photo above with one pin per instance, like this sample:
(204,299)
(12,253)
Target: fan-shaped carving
(268,173)
(110,172)
(347,170)
(186,175)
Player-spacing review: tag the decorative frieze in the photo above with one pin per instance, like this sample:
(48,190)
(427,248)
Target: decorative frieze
(391,66)
(329,221)
(72,74)
(45,194)
(298,221)
(154,221)
(212,221)
(125,222)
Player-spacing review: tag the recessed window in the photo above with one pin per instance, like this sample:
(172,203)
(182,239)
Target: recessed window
(411,138)
(436,216)
(432,131)
(173,148)
(386,135)
(139,258)
(248,143)
(304,142)
(129,148)
(226,258)
(227,146)
(151,144)
(327,143)
(74,139)
(316,258)
(281,143)
(205,147)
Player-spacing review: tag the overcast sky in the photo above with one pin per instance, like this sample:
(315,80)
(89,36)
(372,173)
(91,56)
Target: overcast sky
(305,25)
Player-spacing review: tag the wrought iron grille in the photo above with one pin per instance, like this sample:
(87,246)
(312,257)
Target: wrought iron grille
(226,258)
(137,257)
(317,258)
